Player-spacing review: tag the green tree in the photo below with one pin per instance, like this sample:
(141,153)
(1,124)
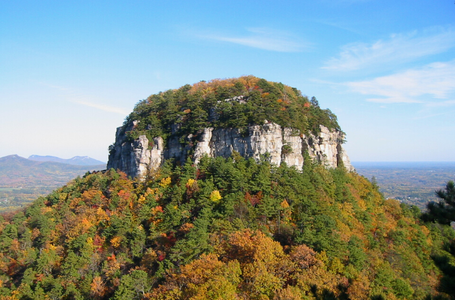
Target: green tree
(444,211)
(133,286)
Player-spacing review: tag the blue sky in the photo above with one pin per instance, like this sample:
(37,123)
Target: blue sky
(71,71)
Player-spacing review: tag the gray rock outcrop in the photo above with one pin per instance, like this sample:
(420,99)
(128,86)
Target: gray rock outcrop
(142,156)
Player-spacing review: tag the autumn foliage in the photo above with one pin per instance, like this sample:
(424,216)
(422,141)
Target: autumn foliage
(225,103)
(225,229)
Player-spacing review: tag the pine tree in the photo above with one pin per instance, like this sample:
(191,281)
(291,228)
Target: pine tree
(444,211)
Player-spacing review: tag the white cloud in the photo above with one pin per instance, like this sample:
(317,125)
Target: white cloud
(263,38)
(442,104)
(71,96)
(396,49)
(436,81)
(106,108)
(52,86)
(425,115)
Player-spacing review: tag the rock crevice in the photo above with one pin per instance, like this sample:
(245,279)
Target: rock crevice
(142,156)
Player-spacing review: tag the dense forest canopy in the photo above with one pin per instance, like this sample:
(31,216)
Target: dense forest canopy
(227,103)
(228,228)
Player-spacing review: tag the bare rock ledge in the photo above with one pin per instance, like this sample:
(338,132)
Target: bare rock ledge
(287,145)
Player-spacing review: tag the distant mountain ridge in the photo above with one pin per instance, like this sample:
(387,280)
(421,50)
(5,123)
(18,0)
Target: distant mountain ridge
(15,169)
(76,160)
(23,180)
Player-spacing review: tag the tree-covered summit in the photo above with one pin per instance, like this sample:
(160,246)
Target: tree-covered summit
(227,103)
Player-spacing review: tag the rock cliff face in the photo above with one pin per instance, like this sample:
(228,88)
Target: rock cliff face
(141,156)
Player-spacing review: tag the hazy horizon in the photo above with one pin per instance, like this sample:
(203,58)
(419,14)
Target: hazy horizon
(451,163)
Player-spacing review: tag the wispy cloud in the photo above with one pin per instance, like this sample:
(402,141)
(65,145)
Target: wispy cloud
(263,38)
(53,86)
(354,28)
(397,48)
(103,107)
(442,103)
(72,96)
(436,81)
(425,115)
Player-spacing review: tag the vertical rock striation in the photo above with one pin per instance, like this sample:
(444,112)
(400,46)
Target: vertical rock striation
(141,156)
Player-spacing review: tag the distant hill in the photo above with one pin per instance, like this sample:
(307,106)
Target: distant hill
(23,180)
(77,160)
(15,169)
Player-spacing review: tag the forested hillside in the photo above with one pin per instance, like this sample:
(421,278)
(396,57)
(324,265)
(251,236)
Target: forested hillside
(227,103)
(225,229)
(228,227)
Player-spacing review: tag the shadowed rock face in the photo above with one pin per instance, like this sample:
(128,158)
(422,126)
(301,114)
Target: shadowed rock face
(141,156)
